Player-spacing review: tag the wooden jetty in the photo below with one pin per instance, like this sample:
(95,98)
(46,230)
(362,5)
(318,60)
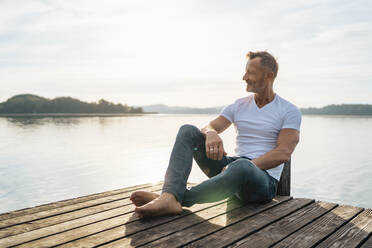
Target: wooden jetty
(107,220)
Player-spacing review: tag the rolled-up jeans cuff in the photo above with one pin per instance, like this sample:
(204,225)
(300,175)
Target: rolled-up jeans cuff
(176,195)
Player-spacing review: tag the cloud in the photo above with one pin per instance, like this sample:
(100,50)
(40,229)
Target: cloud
(178,49)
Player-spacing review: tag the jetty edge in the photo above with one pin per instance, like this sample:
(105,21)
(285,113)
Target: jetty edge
(107,219)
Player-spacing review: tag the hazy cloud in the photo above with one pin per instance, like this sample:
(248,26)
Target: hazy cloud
(184,52)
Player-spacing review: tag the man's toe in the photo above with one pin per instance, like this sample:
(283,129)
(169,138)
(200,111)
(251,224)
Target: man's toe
(131,196)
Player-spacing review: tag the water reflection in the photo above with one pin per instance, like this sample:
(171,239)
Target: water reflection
(25,121)
(55,158)
(33,122)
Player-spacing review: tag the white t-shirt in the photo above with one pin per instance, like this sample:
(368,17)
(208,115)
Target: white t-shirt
(258,128)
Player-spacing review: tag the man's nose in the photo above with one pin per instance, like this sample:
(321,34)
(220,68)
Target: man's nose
(245,76)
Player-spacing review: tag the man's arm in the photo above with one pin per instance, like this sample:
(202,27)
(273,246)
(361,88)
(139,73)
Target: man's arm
(212,140)
(287,140)
(218,125)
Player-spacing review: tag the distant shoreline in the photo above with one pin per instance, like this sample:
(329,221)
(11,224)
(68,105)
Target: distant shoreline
(74,114)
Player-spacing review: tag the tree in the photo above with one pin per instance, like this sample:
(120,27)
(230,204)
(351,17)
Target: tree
(27,103)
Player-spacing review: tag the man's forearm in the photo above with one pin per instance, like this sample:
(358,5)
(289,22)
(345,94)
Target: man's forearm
(271,159)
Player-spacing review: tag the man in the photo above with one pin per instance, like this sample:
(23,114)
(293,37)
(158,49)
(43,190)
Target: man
(267,129)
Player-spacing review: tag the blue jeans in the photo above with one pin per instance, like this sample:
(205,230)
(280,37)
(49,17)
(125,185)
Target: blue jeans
(241,178)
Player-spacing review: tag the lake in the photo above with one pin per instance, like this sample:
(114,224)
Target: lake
(49,159)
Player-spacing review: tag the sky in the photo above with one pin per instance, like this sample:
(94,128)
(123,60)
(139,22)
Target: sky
(185,53)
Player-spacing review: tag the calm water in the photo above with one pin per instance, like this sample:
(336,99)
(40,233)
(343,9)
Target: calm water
(49,159)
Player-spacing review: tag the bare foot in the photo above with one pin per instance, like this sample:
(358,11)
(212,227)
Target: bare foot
(140,198)
(165,204)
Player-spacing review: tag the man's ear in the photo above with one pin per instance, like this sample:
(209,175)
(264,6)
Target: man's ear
(269,75)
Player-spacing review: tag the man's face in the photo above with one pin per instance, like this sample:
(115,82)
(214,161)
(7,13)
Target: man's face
(254,76)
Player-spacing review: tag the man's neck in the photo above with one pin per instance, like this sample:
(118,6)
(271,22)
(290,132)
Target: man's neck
(264,98)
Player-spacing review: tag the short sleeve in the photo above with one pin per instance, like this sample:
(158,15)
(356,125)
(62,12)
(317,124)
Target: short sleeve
(292,118)
(228,112)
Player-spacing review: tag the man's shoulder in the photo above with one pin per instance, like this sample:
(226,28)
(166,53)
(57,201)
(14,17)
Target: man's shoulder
(243,99)
(286,105)
(289,111)
(291,115)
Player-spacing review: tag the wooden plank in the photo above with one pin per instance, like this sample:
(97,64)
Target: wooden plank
(146,227)
(63,217)
(286,226)
(34,230)
(316,231)
(235,230)
(68,208)
(77,229)
(31,210)
(367,243)
(214,230)
(144,237)
(116,207)
(65,226)
(353,233)
(107,220)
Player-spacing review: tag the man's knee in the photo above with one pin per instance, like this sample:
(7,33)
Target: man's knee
(241,165)
(188,130)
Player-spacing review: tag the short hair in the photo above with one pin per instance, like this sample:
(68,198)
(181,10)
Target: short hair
(267,60)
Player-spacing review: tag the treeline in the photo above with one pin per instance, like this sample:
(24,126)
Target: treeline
(28,103)
(342,109)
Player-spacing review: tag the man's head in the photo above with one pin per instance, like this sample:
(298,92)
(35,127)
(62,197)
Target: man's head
(260,71)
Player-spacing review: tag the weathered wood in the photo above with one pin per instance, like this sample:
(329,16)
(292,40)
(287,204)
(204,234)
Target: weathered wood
(127,222)
(47,226)
(316,231)
(38,233)
(284,184)
(67,202)
(279,230)
(149,235)
(351,234)
(239,218)
(367,243)
(62,218)
(66,216)
(107,220)
(68,208)
(148,229)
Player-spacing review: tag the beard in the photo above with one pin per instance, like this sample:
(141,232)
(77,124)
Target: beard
(254,86)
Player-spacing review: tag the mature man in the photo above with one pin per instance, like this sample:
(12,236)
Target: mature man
(267,128)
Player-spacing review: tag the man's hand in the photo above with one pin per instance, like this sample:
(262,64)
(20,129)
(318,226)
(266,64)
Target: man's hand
(214,146)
